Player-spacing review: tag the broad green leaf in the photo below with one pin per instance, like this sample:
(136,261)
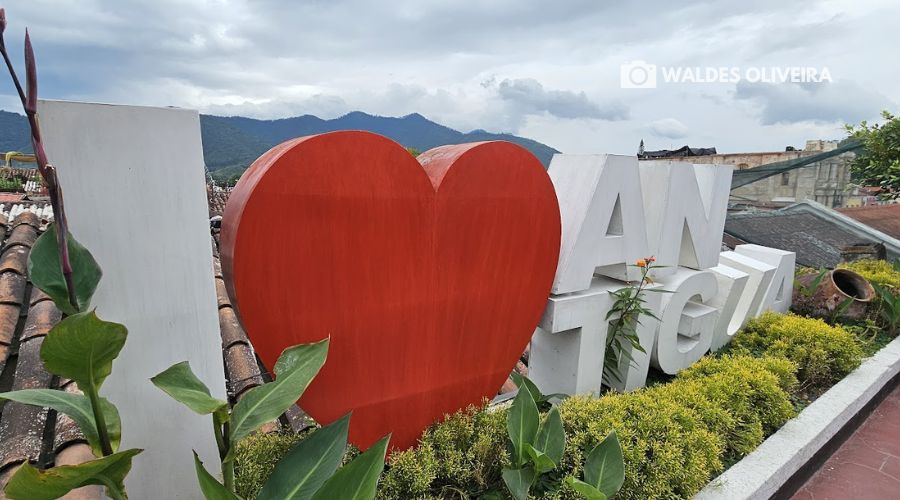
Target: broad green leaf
(604,468)
(589,492)
(309,464)
(539,460)
(551,437)
(82,347)
(358,479)
(29,483)
(179,382)
(518,481)
(46,272)
(212,489)
(78,408)
(294,370)
(522,424)
(522,381)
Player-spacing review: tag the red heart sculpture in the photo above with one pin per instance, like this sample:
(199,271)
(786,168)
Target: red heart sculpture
(430,278)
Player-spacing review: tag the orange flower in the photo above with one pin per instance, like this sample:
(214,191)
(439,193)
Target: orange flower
(641,263)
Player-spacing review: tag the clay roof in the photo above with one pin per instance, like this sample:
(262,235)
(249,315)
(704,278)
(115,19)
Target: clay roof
(816,240)
(43,437)
(885,218)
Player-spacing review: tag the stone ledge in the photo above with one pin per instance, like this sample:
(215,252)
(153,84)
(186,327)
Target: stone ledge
(764,471)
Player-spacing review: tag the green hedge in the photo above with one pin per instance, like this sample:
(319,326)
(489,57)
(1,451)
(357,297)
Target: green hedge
(823,353)
(675,436)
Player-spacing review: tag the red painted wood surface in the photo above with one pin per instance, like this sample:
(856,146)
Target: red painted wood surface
(430,278)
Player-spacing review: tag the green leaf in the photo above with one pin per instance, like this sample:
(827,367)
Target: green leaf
(522,381)
(522,424)
(294,370)
(46,272)
(212,489)
(358,479)
(33,484)
(82,347)
(551,437)
(604,468)
(539,460)
(309,464)
(179,382)
(589,492)
(78,408)
(518,481)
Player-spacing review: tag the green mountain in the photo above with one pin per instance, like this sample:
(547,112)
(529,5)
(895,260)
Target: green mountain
(14,135)
(231,144)
(246,138)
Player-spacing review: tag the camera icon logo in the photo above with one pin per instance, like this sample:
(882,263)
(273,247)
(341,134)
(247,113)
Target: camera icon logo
(637,75)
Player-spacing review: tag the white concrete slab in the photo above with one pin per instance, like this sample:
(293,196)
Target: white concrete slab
(134,187)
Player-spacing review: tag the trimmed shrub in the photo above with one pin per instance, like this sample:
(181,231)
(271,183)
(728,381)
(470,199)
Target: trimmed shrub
(753,392)
(823,353)
(876,271)
(255,458)
(668,450)
(461,456)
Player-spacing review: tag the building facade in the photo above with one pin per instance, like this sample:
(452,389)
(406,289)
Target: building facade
(826,182)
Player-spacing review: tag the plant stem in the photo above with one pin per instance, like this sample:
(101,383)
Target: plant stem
(47,171)
(100,420)
(227,461)
(220,439)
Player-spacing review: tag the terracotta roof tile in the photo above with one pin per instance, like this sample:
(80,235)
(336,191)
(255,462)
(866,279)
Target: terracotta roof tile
(885,218)
(24,231)
(22,426)
(243,372)
(15,258)
(9,318)
(222,293)
(230,328)
(41,318)
(12,288)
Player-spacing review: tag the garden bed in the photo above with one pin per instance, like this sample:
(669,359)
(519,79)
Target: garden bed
(768,469)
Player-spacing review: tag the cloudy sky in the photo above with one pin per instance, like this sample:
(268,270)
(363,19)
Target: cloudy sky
(545,70)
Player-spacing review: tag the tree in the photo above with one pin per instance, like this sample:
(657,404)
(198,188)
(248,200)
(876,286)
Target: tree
(878,163)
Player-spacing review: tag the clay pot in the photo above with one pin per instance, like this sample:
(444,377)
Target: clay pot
(836,287)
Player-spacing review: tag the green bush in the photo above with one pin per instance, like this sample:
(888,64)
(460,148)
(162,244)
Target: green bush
(668,450)
(753,392)
(462,456)
(674,436)
(876,271)
(256,456)
(823,353)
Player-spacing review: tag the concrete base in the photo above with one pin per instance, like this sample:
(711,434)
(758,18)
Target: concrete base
(764,471)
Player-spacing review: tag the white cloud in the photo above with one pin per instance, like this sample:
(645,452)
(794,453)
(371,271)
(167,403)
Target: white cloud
(669,128)
(550,71)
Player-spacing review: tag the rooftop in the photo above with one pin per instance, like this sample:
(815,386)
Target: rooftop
(885,218)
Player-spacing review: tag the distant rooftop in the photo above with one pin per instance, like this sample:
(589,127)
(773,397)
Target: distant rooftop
(676,153)
(816,233)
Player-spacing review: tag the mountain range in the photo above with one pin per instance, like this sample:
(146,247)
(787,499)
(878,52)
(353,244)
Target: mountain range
(231,144)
